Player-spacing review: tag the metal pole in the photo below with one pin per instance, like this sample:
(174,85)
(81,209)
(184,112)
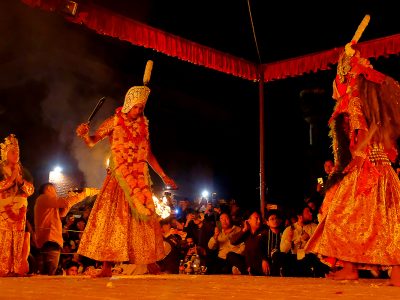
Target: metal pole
(261,117)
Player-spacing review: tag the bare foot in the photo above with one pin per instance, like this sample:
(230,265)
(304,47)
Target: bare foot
(105,271)
(153,269)
(343,275)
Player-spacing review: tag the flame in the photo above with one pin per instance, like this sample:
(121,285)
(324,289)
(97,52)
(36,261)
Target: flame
(162,207)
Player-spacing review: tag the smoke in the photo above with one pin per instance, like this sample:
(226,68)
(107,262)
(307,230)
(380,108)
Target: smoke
(53,73)
(92,162)
(41,47)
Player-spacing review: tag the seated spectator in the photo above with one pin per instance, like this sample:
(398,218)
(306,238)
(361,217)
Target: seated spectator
(294,239)
(255,240)
(71,268)
(183,209)
(173,242)
(77,230)
(67,222)
(314,206)
(322,184)
(290,219)
(202,204)
(175,223)
(230,257)
(274,234)
(190,226)
(329,167)
(66,250)
(189,248)
(211,214)
(235,213)
(199,231)
(86,212)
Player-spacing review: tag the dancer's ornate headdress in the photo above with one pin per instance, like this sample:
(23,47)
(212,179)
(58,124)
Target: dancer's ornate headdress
(138,94)
(9,142)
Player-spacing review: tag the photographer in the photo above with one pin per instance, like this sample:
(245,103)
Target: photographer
(211,214)
(200,231)
(173,248)
(190,249)
(49,208)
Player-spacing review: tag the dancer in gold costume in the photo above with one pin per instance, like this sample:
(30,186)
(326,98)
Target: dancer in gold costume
(361,225)
(14,192)
(123,225)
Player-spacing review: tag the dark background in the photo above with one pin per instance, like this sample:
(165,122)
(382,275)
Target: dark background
(204,125)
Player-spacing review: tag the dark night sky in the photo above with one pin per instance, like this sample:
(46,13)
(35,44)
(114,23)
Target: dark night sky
(203,124)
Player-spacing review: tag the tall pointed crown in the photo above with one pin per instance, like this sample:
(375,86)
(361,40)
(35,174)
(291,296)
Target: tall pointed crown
(344,65)
(138,94)
(9,142)
(357,35)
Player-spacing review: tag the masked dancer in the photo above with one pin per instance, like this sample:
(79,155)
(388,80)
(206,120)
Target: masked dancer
(14,191)
(361,226)
(123,225)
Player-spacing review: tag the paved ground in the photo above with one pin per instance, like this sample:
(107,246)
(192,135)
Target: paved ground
(184,287)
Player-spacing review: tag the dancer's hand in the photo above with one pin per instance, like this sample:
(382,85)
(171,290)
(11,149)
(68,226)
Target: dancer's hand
(82,129)
(169,182)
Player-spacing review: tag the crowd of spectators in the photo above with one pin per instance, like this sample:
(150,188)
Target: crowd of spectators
(230,240)
(217,237)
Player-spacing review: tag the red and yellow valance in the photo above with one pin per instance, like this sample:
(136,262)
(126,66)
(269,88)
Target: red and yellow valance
(111,24)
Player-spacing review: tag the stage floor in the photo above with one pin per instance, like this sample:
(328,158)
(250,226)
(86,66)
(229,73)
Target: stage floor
(192,287)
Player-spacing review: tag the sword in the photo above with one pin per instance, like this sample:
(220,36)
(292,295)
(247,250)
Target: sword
(96,109)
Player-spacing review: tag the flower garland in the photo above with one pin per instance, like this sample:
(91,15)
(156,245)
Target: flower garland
(129,166)
(138,210)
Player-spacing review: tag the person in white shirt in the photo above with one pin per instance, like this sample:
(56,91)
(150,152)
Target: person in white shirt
(294,239)
(230,257)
